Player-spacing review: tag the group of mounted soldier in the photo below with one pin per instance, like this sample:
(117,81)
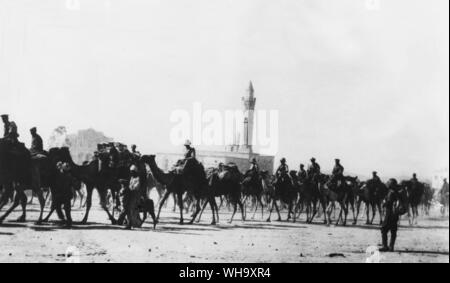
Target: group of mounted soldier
(126,166)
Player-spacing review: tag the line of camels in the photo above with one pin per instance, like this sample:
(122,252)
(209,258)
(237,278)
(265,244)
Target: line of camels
(194,188)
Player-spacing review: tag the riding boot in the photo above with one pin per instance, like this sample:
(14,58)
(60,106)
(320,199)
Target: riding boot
(392,243)
(384,238)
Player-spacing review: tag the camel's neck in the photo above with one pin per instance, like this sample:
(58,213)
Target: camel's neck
(160,176)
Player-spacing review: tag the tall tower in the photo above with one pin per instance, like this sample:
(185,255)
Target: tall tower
(249,102)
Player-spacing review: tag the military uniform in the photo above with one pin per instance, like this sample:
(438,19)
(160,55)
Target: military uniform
(37,146)
(337,173)
(302,175)
(392,216)
(313,170)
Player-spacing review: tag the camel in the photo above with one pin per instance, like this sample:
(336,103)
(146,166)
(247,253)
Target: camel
(192,179)
(227,184)
(338,192)
(310,196)
(95,175)
(372,193)
(255,186)
(19,172)
(415,191)
(284,193)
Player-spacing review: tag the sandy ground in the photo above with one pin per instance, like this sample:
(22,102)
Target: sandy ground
(250,241)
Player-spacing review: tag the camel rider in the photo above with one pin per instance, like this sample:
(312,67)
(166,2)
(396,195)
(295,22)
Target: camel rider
(10,129)
(124,156)
(254,168)
(313,169)
(283,169)
(134,152)
(190,151)
(392,216)
(302,173)
(37,146)
(338,172)
(414,178)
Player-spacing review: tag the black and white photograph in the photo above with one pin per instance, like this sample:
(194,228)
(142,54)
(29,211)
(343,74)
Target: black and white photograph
(224,132)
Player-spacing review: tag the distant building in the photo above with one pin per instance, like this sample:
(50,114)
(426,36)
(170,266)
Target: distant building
(240,153)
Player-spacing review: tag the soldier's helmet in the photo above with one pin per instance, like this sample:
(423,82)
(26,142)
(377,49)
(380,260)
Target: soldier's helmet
(374,173)
(253,161)
(187,143)
(283,160)
(302,165)
(337,160)
(5,116)
(313,159)
(33,129)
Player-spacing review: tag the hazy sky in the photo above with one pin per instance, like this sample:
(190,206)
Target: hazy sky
(367,85)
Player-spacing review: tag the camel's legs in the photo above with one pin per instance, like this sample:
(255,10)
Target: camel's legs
(256,208)
(8,191)
(103,203)
(40,196)
(374,212)
(88,203)
(201,212)
(17,200)
(23,204)
(367,213)
(67,210)
(197,210)
(213,205)
(180,204)
(278,210)
(161,203)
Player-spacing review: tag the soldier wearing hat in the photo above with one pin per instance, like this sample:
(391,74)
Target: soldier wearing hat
(190,151)
(375,177)
(338,172)
(283,169)
(313,169)
(254,168)
(394,209)
(10,129)
(302,173)
(36,142)
(414,178)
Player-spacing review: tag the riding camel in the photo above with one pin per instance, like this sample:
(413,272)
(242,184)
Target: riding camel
(226,183)
(372,193)
(332,193)
(415,192)
(191,179)
(284,193)
(19,172)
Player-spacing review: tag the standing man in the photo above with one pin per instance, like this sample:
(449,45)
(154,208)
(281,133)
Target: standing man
(36,142)
(394,209)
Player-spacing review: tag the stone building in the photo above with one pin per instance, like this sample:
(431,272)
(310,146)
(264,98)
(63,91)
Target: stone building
(240,153)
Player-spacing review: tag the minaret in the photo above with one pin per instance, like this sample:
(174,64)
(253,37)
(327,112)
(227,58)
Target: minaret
(249,109)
